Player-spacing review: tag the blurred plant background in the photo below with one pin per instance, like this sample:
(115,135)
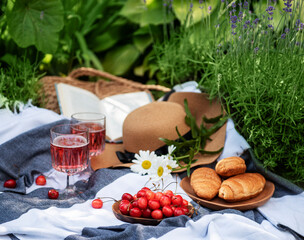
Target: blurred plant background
(247,53)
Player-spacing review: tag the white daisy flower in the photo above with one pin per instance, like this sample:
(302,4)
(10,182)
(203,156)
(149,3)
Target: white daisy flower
(160,169)
(144,162)
(171,149)
(171,163)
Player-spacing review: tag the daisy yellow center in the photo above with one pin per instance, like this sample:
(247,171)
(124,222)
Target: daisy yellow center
(160,171)
(169,167)
(146,164)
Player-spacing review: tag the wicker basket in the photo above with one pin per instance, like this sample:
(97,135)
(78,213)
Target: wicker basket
(107,85)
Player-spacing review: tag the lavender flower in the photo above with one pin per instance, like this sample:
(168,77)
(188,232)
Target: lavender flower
(209,9)
(245,5)
(288,5)
(241,15)
(256,21)
(256,49)
(233,19)
(270,10)
(283,36)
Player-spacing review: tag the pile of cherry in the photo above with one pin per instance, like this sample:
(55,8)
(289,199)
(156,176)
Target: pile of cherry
(158,205)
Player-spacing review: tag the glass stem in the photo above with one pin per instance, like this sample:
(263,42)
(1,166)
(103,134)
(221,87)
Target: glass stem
(68,181)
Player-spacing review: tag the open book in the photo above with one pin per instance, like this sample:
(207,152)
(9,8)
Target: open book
(73,99)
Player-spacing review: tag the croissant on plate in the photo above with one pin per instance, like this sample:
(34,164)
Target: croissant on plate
(242,187)
(205,182)
(230,166)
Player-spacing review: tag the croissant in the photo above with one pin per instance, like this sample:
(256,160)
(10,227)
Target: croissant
(230,166)
(205,183)
(242,187)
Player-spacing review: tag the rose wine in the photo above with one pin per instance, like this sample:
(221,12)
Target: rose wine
(97,136)
(69,153)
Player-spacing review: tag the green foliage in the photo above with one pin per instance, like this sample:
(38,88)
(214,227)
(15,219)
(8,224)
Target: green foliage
(19,83)
(258,74)
(36,22)
(186,149)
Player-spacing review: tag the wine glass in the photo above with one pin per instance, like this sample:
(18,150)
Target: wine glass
(95,123)
(70,153)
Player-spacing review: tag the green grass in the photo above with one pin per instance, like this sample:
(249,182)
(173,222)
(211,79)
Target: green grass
(20,82)
(263,92)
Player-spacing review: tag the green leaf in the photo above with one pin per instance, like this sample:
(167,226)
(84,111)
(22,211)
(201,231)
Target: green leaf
(199,11)
(119,60)
(145,14)
(36,22)
(142,39)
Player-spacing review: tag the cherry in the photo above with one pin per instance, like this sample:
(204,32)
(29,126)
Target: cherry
(97,203)
(178,211)
(142,202)
(157,214)
(154,204)
(169,193)
(149,194)
(141,193)
(165,200)
(146,189)
(146,213)
(167,211)
(158,195)
(127,196)
(134,204)
(185,209)
(124,202)
(135,212)
(53,194)
(124,208)
(185,203)
(40,180)
(177,200)
(11,183)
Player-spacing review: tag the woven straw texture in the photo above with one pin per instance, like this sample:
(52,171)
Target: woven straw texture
(107,85)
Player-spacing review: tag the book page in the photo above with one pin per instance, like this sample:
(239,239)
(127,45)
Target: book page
(117,107)
(73,99)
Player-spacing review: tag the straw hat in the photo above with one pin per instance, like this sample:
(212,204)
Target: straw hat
(144,126)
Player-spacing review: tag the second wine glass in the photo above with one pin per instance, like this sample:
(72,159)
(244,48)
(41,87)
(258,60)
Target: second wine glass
(95,123)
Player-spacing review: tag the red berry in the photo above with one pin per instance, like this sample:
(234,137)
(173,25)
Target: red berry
(127,196)
(185,203)
(97,203)
(142,203)
(146,189)
(40,180)
(141,193)
(146,213)
(153,204)
(177,200)
(135,203)
(158,195)
(149,194)
(165,200)
(53,194)
(178,211)
(169,193)
(124,208)
(185,209)
(135,212)
(11,183)
(157,214)
(124,202)
(167,211)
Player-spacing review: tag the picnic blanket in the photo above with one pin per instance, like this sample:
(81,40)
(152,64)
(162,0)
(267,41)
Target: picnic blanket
(27,213)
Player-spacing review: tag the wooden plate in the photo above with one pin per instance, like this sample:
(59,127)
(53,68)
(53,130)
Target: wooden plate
(219,204)
(144,221)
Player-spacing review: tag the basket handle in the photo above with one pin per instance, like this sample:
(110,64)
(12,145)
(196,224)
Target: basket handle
(83,71)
